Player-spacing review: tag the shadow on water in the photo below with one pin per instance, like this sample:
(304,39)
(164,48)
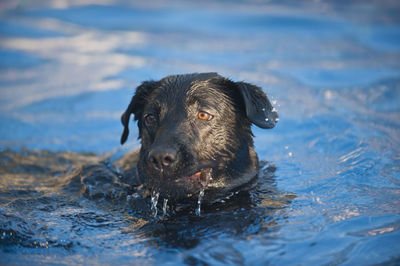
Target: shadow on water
(77,201)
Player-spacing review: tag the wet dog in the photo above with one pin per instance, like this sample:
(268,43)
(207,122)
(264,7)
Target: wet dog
(195,132)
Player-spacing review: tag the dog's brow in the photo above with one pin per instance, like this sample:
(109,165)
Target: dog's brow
(206,97)
(153,107)
(197,92)
(195,86)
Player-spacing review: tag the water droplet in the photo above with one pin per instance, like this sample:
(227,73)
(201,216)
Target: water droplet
(198,209)
(165,206)
(154,201)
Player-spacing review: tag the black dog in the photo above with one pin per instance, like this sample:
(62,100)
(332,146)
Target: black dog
(196,133)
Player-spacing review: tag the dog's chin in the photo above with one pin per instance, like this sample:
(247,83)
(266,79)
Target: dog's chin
(185,186)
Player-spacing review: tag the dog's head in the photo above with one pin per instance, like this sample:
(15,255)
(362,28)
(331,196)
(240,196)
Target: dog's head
(195,132)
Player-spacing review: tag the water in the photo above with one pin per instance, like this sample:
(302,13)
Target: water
(165,208)
(199,199)
(328,189)
(154,202)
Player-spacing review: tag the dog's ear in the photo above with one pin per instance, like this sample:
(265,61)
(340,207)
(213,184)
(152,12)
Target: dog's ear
(136,106)
(259,110)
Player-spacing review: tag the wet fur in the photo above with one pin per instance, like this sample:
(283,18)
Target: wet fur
(223,144)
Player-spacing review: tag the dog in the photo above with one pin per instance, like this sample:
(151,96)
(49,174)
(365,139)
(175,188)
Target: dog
(195,132)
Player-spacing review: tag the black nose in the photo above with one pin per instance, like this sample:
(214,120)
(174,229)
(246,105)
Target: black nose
(161,158)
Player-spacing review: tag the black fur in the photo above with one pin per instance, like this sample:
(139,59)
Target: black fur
(181,153)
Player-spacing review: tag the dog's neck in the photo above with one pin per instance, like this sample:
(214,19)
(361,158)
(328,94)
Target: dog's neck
(230,180)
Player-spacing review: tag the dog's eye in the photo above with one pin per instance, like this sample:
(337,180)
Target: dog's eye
(150,119)
(204,115)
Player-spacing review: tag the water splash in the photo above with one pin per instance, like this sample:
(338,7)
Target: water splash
(154,202)
(198,209)
(165,206)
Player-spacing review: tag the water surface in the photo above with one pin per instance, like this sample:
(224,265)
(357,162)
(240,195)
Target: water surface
(329,190)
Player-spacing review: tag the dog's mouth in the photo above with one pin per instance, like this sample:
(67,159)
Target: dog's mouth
(198,179)
(181,186)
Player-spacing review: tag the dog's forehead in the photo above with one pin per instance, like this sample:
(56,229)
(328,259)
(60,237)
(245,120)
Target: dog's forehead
(183,83)
(178,94)
(205,91)
(181,88)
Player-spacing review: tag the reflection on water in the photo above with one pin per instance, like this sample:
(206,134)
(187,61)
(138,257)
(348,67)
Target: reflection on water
(329,194)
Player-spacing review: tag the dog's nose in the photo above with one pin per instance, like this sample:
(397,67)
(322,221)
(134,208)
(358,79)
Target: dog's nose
(162,158)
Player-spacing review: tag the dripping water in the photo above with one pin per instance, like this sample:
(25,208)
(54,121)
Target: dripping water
(165,206)
(154,201)
(198,209)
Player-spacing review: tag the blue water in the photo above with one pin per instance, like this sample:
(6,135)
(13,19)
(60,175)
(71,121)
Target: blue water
(329,194)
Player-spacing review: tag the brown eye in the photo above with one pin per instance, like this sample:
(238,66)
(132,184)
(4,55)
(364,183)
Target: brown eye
(150,119)
(204,116)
